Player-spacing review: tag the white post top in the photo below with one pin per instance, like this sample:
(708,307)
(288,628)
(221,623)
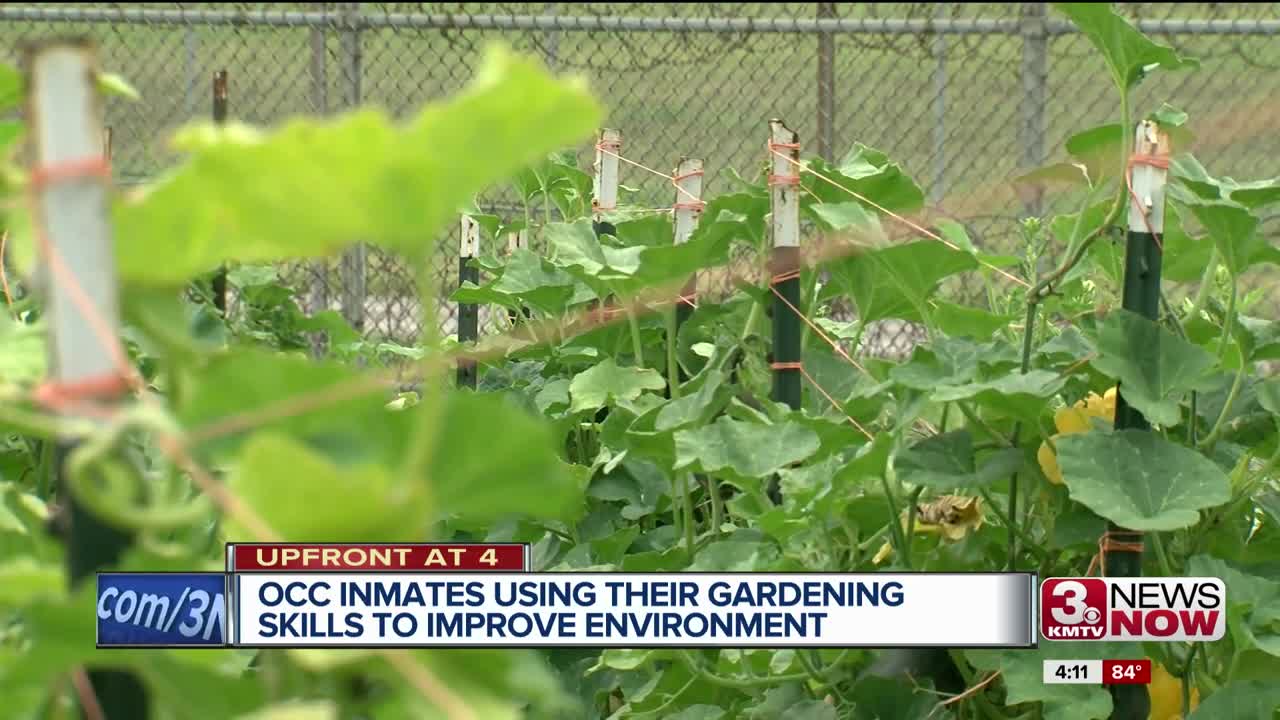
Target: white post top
(1148,179)
(688,204)
(65,123)
(784,177)
(605,182)
(469,244)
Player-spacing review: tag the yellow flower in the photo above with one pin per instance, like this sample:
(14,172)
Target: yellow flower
(1073,420)
(1166,695)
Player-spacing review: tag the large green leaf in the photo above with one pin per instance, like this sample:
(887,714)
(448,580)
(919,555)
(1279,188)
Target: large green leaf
(1252,194)
(1233,229)
(575,246)
(1156,368)
(1015,393)
(10,86)
(1099,149)
(895,281)
(325,406)
(248,195)
(1255,700)
(525,278)
(491,460)
(606,383)
(1128,53)
(1022,672)
(1139,480)
(22,354)
(867,172)
(304,496)
(1253,602)
(750,450)
(948,461)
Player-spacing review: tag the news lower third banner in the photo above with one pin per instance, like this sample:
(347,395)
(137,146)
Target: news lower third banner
(398,596)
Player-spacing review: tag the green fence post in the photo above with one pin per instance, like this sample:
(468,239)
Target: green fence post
(784,265)
(220,119)
(468,313)
(784,268)
(71,180)
(1141,294)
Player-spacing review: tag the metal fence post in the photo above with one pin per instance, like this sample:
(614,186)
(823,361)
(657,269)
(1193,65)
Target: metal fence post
(318,70)
(71,179)
(938,189)
(219,285)
(826,86)
(354,261)
(1035,76)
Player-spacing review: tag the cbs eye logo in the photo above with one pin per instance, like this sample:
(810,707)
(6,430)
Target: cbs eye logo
(1073,609)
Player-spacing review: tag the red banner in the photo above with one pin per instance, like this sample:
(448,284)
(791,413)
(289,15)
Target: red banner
(397,557)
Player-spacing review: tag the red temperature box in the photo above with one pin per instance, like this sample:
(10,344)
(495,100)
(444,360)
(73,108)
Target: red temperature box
(379,557)
(1126,672)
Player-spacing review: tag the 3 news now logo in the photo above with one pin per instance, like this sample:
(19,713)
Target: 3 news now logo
(1137,609)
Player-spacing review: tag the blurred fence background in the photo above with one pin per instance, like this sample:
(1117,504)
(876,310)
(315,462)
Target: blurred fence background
(964,96)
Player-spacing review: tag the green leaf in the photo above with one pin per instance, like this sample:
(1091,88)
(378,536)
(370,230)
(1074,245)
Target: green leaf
(1185,257)
(24,580)
(251,196)
(22,354)
(493,460)
(853,216)
(1256,700)
(1233,229)
(606,383)
(963,321)
(325,406)
(948,461)
(703,396)
(576,247)
(1022,672)
(364,502)
(1099,150)
(1139,480)
(296,710)
(750,450)
(1252,194)
(1128,53)
(945,361)
(10,87)
(869,173)
(895,281)
(1155,367)
(1015,393)
(113,84)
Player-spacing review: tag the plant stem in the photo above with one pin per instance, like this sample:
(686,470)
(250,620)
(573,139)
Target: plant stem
(1161,556)
(973,418)
(689,539)
(1206,284)
(752,315)
(717,505)
(1220,424)
(1030,542)
(911,522)
(673,367)
(1187,670)
(1229,320)
(637,347)
(1028,340)
(895,524)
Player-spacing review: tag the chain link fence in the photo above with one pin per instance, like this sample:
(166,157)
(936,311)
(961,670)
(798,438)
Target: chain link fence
(964,96)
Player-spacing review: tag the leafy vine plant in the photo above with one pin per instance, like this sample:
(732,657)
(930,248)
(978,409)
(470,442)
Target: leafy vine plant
(609,442)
